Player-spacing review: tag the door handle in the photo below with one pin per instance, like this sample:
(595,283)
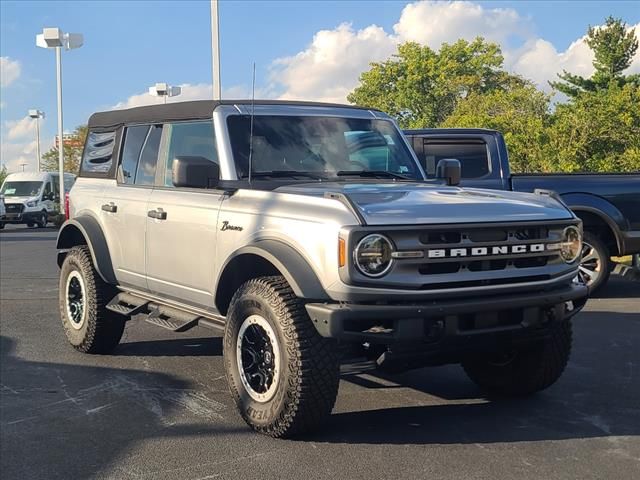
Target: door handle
(110,207)
(158,214)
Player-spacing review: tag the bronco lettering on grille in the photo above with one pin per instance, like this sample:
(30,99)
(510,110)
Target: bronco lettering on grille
(482,251)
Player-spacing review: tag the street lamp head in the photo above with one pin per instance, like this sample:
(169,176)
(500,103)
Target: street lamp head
(164,90)
(36,114)
(54,37)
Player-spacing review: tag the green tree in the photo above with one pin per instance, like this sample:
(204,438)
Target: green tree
(613,46)
(3,174)
(72,153)
(521,113)
(421,87)
(598,131)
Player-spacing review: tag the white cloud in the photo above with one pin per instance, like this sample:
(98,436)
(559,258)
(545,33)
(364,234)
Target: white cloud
(433,23)
(9,71)
(21,128)
(15,154)
(199,91)
(329,68)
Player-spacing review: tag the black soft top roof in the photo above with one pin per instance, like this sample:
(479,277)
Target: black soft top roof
(194,110)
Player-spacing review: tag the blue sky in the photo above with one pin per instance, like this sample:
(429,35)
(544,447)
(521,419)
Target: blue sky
(130,46)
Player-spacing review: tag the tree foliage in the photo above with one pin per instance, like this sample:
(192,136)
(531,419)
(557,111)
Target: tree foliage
(72,153)
(521,113)
(3,174)
(598,131)
(465,85)
(421,87)
(613,46)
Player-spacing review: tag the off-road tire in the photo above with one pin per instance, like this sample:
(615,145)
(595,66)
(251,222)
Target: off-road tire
(101,329)
(531,369)
(604,253)
(309,374)
(30,224)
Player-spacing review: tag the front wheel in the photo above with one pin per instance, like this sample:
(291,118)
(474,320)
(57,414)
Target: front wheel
(524,371)
(595,266)
(42,219)
(281,373)
(83,296)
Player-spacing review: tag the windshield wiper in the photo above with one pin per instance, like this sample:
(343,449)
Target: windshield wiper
(372,174)
(285,173)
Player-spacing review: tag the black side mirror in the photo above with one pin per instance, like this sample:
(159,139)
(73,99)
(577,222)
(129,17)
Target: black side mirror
(195,172)
(449,170)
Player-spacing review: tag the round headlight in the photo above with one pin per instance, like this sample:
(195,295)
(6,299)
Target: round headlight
(372,256)
(571,244)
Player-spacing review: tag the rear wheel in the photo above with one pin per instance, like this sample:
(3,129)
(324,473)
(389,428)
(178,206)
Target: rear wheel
(595,266)
(30,224)
(524,371)
(83,296)
(282,374)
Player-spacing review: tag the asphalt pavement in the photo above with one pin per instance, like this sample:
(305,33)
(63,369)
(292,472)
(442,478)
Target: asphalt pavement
(158,407)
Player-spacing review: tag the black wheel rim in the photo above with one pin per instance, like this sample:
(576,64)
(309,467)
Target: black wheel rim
(75,300)
(257,359)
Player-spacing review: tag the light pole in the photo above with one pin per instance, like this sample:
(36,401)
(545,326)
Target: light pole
(55,38)
(164,90)
(215,50)
(37,114)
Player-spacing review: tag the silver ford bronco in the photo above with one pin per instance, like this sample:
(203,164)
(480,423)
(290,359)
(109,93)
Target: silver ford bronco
(310,234)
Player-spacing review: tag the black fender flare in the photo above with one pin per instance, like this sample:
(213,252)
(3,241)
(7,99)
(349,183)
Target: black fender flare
(296,270)
(606,211)
(91,232)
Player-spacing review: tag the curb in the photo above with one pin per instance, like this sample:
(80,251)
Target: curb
(630,273)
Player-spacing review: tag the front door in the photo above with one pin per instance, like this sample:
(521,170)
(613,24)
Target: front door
(181,226)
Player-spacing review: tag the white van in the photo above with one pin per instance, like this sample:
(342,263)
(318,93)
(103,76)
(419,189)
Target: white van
(33,197)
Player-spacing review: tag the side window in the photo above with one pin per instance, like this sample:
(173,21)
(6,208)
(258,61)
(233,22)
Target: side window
(47,191)
(134,138)
(473,157)
(98,152)
(370,150)
(146,171)
(189,139)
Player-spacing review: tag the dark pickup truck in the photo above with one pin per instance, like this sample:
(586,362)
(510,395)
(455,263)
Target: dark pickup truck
(608,204)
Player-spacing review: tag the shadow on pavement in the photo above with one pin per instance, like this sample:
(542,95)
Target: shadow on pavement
(598,396)
(72,421)
(179,347)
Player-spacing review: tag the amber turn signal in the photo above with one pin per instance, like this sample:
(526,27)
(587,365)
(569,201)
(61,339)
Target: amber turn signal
(342,253)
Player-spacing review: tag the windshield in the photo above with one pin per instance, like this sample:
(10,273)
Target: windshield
(320,147)
(21,189)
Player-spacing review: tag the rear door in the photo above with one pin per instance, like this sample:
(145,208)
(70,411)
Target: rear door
(124,207)
(181,234)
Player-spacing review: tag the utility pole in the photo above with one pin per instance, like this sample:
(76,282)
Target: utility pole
(215,50)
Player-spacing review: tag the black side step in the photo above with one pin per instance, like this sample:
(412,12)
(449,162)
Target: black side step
(171,318)
(127,304)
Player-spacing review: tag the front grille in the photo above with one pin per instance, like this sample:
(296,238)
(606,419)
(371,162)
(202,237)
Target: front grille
(478,255)
(14,207)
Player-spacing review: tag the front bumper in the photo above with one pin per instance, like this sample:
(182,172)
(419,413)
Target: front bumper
(22,217)
(435,321)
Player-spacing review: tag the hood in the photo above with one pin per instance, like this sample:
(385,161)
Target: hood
(20,199)
(404,203)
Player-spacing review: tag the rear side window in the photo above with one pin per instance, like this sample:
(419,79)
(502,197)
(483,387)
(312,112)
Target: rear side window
(146,171)
(134,138)
(473,157)
(98,152)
